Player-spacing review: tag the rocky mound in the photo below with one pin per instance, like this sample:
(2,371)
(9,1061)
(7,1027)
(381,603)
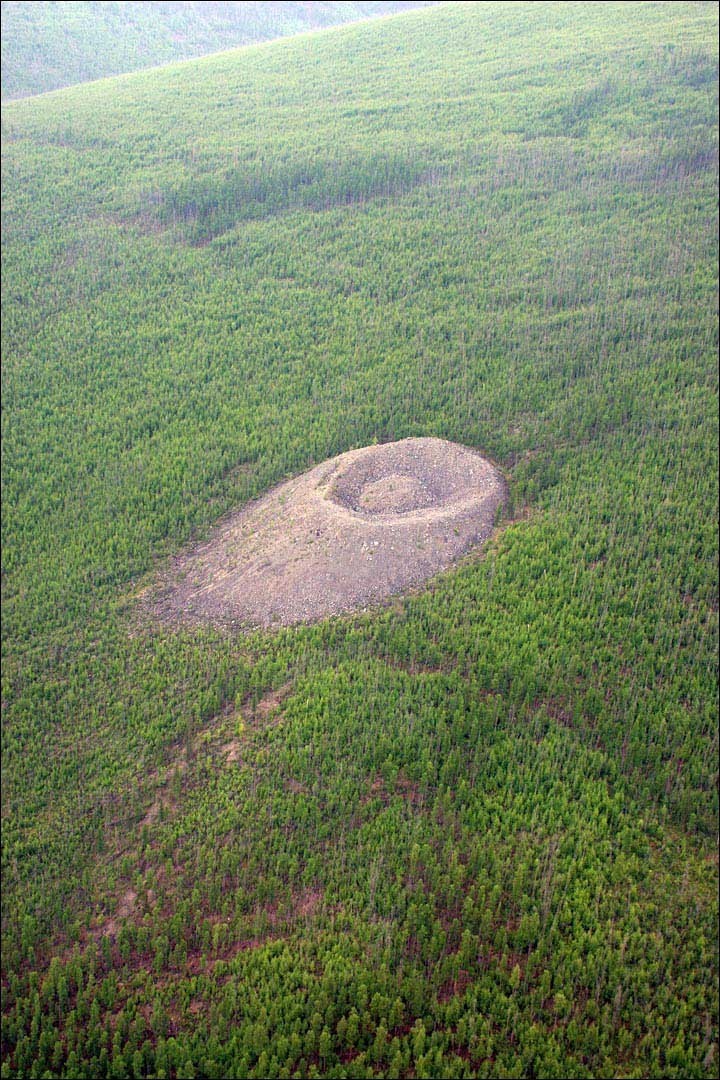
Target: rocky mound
(350,532)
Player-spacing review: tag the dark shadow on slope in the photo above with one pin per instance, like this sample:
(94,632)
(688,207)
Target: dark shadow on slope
(206,206)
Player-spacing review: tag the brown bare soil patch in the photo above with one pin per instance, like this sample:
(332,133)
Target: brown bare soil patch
(271,702)
(164,800)
(348,534)
(153,814)
(308,903)
(455,987)
(111,925)
(232,750)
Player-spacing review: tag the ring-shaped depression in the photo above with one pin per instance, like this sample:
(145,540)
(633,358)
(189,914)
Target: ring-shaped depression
(387,481)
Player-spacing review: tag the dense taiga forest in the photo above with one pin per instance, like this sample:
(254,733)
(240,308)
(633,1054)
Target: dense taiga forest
(48,44)
(472,833)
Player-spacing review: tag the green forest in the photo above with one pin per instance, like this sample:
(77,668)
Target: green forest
(48,44)
(472,832)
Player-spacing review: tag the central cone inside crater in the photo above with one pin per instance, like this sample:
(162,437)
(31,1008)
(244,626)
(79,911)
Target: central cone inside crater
(393,494)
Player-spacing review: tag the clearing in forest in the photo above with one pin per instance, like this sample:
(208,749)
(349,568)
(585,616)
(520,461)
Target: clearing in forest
(349,533)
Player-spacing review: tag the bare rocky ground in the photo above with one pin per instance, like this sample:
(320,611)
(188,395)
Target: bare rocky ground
(346,535)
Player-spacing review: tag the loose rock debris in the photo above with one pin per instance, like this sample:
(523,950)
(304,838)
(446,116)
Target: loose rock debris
(360,527)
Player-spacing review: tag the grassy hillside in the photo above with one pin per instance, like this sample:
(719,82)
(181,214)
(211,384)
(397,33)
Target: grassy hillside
(473,834)
(49,45)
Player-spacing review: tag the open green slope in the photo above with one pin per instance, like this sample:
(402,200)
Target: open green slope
(473,834)
(47,45)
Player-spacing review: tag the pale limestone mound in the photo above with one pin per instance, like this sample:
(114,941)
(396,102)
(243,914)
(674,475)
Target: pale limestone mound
(349,533)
